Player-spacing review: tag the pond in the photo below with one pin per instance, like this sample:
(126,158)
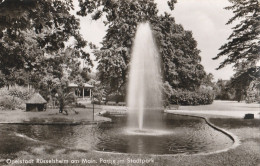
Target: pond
(181,135)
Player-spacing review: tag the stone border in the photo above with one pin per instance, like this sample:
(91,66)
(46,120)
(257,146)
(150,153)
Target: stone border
(234,138)
(230,135)
(57,123)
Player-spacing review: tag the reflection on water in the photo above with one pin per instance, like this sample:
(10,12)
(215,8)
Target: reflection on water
(184,135)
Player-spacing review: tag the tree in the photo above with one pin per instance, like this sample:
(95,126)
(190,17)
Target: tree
(64,96)
(224,90)
(180,57)
(114,56)
(56,75)
(33,31)
(243,47)
(242,80)
(208,80)
(244,42)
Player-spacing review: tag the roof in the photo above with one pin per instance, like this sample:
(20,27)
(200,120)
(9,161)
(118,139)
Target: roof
(86,85)
(36,99)
(72,85)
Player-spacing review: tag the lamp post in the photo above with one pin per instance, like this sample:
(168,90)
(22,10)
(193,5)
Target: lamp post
(93,110)
(93,102)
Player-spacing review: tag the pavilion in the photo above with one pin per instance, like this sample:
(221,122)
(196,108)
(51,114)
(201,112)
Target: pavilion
(84,92)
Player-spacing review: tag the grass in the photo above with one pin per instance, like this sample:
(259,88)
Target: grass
(224,106)
(51,115)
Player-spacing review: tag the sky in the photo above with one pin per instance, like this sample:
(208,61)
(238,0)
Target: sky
(205,18)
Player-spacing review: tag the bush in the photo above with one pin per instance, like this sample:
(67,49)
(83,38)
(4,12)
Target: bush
(7,102)
(11,103)
(14,97)
(200,97)
(116,98)
(21,92)
(251,97)
(167,93)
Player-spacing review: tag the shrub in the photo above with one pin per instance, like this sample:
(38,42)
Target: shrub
(167,93)
(6,102)
(14,97)
(20,92)
(116,98)
(11,102)
(200,97)
(252,96)
(65,98)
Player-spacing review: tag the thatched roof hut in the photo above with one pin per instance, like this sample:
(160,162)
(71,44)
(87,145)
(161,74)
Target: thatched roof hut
(36,103)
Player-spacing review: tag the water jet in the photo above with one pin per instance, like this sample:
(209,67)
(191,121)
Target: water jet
(144,97)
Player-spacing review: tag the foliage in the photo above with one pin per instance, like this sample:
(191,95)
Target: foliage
(114,56)
(253,92)
(243,47)
(167,93)
(244,44)
(208,80)
(116,98)
(56,71)
(8,103)
(33,39)
(64,96)
(98,91)
(241,81)
(15,97)
(180,56)
(177,47)
(21,92)
(199,97)
(224,91)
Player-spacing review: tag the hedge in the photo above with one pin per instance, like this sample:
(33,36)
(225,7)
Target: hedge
(199,97)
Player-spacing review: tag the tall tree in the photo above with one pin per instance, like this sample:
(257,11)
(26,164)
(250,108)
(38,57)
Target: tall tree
(180,56)
(177,47)
(243,47)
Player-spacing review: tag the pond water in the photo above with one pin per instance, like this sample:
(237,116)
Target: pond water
(181,135)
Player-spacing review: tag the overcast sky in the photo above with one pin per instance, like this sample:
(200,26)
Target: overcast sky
(205,18)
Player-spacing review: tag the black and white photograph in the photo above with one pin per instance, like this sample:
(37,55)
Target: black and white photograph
(130,82)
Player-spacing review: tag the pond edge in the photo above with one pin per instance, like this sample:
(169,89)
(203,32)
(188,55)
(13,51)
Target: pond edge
(234,138)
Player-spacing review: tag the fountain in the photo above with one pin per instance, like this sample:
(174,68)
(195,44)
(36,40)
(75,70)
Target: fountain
(144,98)
(144,133)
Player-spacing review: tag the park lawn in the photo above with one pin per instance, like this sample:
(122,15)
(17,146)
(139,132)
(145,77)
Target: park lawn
(52,116)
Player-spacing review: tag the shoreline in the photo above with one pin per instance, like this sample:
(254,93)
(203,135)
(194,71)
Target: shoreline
(84,116)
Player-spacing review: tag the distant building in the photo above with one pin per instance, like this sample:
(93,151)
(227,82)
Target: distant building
(84,92)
